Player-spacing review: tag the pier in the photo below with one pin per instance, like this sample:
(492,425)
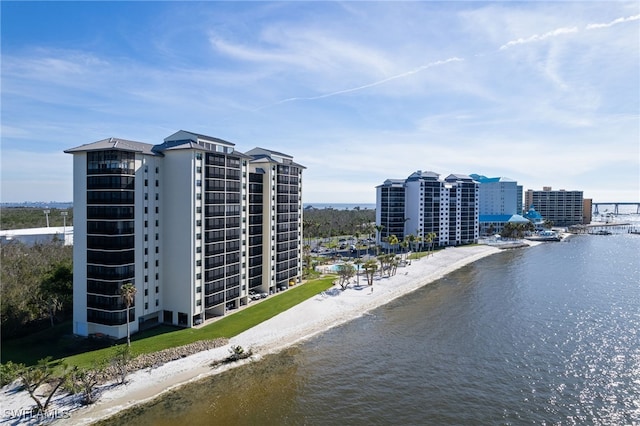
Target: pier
(606,228)
(615,206)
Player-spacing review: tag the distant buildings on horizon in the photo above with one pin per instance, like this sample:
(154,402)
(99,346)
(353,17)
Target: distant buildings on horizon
(459,208)
(442,210)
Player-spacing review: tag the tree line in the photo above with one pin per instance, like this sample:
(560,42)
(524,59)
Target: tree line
(36,286)
(325,223)
(32,217)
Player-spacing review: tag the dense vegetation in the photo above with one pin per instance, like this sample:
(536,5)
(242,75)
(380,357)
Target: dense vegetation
(32,217)
(36,286)
(330,223)
(30,349)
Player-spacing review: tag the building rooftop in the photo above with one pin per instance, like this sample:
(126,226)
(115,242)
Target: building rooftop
(458,177)
(484,179)
(114,143)
(423,175)
(515,218)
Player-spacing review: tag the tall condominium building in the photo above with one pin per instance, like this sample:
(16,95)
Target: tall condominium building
(445,207)
(563,208)
(191,222)
(500,203)
(390,205)
(498,196)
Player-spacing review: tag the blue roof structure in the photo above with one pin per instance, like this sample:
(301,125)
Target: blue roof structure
(516,218)
(533,215)
(484,179)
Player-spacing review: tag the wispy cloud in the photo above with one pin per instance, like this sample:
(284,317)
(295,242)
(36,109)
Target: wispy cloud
(539,37)
(366,86)
(614,22)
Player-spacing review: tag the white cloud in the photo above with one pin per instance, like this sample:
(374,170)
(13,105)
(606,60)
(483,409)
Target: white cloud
(612,23)
(539,37)
(368,85)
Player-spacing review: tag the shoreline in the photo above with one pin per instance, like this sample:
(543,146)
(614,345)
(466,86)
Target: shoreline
(299,323)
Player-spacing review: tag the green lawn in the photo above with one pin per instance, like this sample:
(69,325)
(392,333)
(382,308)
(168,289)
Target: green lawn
(163,337)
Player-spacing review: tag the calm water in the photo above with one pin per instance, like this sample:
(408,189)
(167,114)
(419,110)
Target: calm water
(545,335)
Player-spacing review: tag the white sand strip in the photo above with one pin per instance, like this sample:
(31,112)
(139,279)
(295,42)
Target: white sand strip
(309,318)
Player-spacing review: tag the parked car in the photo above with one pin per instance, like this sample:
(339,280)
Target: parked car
(254,295)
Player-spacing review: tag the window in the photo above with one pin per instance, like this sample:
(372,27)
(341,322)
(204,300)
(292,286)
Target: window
(146,291)
(146,182)
(157,289)
(157,250)
(157,302)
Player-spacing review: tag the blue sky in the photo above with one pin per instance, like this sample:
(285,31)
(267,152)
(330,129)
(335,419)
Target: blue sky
(546,93)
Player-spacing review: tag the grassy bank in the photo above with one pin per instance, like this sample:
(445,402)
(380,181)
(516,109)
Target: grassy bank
(164,337)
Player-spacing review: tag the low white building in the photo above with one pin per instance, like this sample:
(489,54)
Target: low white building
(31,236)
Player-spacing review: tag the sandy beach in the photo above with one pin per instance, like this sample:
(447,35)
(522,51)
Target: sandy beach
(315,315)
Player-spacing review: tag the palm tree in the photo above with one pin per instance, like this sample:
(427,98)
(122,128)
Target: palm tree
(429,240)
(404,255)
(358,262)
(128,294)
(393,242)
(434,238)
(369,229)
(370,267)
(378,228)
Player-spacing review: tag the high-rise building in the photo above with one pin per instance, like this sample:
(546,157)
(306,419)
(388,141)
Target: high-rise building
(424,204)
(500,203)
(563,208)
(390,197)
(194,224)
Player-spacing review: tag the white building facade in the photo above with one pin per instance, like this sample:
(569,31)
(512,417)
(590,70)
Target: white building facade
(446,208)
(174,219)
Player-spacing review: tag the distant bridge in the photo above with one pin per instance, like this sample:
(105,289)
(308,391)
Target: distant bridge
(615,206)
